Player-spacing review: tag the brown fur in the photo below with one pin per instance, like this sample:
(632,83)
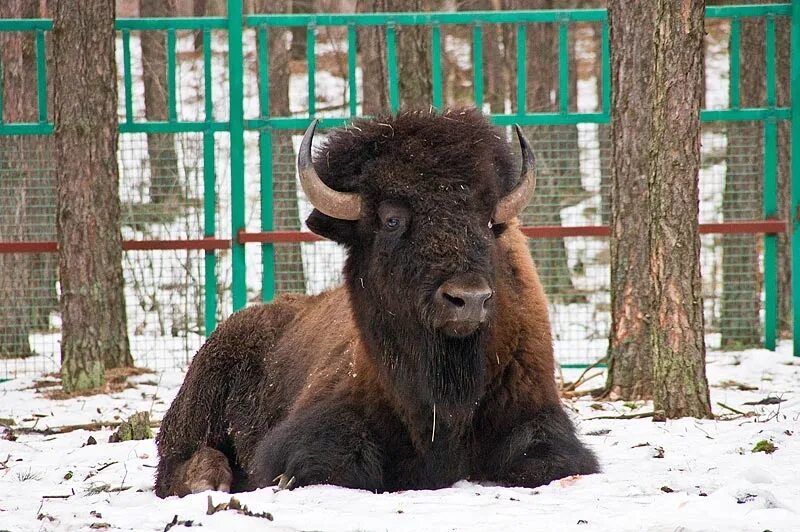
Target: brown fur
(353,387)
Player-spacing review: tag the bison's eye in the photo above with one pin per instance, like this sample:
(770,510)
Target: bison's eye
(393,217)
(391,224)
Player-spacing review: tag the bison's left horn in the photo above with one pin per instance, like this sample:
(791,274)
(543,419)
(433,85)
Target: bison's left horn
(512,203)
(336,204)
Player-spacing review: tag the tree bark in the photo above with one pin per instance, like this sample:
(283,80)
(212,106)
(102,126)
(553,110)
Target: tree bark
(88,206)
(198,10)
(782,67)
(299,45)
(676,327)
(165,183)
(630,358)
(414,69)
(20,170)
(289,276)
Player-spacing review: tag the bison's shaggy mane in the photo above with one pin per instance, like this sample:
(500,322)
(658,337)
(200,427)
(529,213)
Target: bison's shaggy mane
(456,145)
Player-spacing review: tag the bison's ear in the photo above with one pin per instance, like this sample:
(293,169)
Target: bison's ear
(341,231)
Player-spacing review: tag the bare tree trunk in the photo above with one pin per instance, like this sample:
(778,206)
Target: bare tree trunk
(630,357)
(88,207)
(289,276)
(784,179)
(19,158)
(165,183)
(299,45)
(198,10)
(413,59)
(676,324)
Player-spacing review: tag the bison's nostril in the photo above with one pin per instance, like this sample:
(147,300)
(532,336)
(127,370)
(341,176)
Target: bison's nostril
(457,301)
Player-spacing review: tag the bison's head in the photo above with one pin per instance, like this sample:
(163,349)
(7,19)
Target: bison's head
(419,200)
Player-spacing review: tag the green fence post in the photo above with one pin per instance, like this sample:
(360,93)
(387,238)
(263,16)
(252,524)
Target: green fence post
(236,90)
(311,58)
(351,69)
(522,77)
(795,112)
(477,65)
(41,76)
(733,55)
(770,196)
(606,71)
(2,83)
(436,66)
(172,89)
(209,192)
(265,160)
(391,65)
(563,68)
(126,69)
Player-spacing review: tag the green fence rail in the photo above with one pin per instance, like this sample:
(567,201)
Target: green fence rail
(264,124)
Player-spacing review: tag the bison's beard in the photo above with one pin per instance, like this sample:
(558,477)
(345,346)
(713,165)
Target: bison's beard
(451,369)
(429,367)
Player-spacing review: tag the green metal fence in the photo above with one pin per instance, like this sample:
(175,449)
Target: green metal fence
(213,250)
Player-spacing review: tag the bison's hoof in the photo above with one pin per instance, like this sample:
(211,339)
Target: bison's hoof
(208,469)
(284,481)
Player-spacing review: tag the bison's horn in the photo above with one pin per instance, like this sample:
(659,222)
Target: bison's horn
(342,205)
(512,203)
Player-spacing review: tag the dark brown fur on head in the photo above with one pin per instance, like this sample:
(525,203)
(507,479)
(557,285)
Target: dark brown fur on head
(448,170)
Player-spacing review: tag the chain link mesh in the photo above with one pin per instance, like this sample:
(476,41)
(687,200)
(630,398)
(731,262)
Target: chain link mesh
(162,195)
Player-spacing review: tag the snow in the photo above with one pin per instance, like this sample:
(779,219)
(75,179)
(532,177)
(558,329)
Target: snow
(707,479)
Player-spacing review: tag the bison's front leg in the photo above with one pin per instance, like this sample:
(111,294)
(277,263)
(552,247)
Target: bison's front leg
(322,444)
(539,450)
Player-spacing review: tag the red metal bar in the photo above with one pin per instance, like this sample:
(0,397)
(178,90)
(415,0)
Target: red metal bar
(28,247)
(558,231)
(544,231)
(767,227)
(277,237)
(207,244)
(755,227)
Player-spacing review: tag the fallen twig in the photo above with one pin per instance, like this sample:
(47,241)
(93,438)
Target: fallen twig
(63,429)
(571,386)
(624,416)
(726,407)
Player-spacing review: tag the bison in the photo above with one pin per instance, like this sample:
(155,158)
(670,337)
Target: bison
(432,363)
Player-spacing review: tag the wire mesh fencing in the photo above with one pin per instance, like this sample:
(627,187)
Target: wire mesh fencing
(175,185)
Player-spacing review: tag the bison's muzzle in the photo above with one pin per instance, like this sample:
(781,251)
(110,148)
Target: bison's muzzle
(463,303)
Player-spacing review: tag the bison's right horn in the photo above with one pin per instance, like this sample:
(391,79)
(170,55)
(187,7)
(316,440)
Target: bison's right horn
(512,203)
(342,205)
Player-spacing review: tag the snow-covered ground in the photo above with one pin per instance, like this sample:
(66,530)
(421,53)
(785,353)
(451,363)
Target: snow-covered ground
(679,475)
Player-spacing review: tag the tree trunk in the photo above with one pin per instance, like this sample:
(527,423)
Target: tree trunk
(630,358)
(784,178)
(289,276)
(165,183)
(414,69)
(88,207)
(199,10)
(740,323)
(676,325)
(17,171)
(299,45)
